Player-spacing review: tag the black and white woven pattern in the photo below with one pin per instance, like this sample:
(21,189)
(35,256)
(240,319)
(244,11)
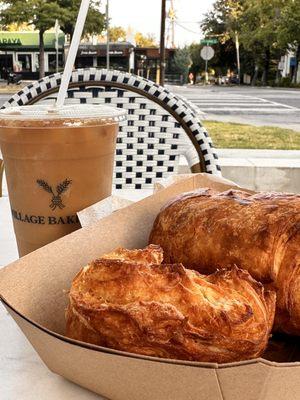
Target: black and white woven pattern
(152,138)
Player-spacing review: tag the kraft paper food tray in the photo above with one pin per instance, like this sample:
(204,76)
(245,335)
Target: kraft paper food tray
(33,289)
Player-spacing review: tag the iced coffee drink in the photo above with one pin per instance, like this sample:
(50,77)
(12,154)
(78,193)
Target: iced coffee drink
(57,162)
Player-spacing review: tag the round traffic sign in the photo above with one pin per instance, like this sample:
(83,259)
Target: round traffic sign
(207,53)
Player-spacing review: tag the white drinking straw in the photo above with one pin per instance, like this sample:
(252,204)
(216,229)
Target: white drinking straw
(72,53)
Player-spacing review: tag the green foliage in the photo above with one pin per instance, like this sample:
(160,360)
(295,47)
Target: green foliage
(289,26)
(265,29)
(182,62)
(39,13)
(224,19)
(95,22)
(224,22)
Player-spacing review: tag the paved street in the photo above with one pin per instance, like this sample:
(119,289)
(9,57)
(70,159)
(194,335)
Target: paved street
(258,106)
(4,98)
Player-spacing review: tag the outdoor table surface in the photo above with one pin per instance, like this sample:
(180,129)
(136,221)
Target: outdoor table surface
(23,376)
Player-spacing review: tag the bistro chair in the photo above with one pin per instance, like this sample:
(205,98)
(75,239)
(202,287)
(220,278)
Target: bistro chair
(160,126)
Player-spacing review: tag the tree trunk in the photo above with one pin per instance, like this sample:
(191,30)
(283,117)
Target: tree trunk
(277,76)
(42,53)
(297,63)
(265,76)
(253,82)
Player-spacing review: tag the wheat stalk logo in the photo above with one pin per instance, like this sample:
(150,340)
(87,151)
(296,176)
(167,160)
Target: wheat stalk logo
(56,201)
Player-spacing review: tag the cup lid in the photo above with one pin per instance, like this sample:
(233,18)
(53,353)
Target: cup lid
(67,115)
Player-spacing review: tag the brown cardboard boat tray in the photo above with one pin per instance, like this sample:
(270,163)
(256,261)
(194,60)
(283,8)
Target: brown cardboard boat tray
(33,289)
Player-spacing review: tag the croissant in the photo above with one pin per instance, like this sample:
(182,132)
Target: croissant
(206,230)
(125,301)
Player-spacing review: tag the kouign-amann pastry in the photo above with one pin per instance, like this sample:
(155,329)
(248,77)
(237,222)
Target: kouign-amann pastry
(206,230)
(129,301)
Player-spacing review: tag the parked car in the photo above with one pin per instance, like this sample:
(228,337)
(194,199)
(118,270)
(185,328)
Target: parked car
(234,80)
(224,80)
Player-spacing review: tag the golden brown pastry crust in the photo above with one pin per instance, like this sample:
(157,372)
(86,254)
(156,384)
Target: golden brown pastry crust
(169,311)
(206,230)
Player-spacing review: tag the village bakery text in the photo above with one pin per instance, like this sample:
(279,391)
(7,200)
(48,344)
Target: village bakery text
(44,220)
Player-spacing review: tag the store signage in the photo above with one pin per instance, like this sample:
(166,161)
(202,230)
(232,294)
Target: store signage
(30,39)
(88,53)
(10,41)
(116,52)
(100,52)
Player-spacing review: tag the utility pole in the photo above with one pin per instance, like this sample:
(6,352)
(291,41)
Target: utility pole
(172,17)
(107,34)
(162,49)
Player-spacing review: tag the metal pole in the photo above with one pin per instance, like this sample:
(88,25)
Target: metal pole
(56,42)
(107,34)
(162,49)
(206,65)
(57,58)
(237,46)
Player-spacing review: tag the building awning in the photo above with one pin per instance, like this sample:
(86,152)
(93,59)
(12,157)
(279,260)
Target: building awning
(122,49)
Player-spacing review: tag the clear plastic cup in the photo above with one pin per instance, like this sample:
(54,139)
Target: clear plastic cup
(57,162)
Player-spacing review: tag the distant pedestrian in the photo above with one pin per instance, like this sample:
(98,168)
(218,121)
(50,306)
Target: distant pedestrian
(191,78)
(4,73)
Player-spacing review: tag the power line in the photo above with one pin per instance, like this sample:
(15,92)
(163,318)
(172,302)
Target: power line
(187,29)
(189,22)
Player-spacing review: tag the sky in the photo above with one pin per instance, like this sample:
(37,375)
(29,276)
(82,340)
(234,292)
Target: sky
(144,16)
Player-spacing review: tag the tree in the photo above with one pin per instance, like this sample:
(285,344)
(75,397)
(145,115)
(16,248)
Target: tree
(117,34)
(253,24)
(34,12)
(289,30)
(259,32)
(95,21)
(224,22)
(182,62)
(42,15)
(145,40)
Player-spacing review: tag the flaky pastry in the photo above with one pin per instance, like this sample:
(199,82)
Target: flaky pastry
(206,230)
(138,306)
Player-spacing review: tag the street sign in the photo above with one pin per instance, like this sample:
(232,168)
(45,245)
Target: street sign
(207,53)
(209,41)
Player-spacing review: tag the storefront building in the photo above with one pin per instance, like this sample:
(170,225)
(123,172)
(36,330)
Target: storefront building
(19,52)
(121,56)
(143,61)
(288,64)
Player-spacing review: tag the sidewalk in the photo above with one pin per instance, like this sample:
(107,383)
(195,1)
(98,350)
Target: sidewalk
(12,89)
(261,170)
